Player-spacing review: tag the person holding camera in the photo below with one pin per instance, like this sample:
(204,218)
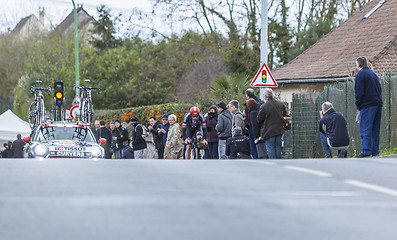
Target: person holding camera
(333,131)
(154,127)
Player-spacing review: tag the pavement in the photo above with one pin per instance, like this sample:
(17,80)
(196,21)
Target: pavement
(198,199)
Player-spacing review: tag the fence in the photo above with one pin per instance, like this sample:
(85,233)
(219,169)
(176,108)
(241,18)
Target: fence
(305,137)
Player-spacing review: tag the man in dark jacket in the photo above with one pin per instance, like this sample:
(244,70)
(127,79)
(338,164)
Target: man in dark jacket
(154,127)
(113,146)
(334,134)
(368,100)
(120,135)
(163,132)
(138,142)
(17,147)
(250,94)
(105,133)
(238,146)
(255,128)
(270,118)
(223,127)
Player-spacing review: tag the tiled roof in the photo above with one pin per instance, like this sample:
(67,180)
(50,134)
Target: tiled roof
(69,20)
(21,23)
(334,55)
(386,61)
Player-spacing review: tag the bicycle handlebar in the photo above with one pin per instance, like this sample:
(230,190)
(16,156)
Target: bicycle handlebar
(35,89)
(87,88)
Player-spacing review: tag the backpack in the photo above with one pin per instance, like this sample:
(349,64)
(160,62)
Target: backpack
(145,131)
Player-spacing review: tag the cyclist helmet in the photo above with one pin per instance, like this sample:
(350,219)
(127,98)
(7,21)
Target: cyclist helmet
(199,133)
(194,111)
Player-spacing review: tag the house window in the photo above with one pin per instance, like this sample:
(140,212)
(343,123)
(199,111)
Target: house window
(373,10)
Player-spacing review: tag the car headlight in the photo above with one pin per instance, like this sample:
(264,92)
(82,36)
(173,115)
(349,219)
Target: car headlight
(96,151)
(40,150)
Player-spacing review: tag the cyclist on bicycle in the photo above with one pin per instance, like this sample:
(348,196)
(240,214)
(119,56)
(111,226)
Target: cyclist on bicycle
(193,122)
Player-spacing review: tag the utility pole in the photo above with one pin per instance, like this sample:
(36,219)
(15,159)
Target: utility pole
(76,51)
(263,46)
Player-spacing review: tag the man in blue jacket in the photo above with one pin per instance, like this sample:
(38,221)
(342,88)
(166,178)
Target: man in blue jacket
(333,131)
(368,96)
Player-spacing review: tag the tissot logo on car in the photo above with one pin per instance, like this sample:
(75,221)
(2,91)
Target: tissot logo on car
(70,148)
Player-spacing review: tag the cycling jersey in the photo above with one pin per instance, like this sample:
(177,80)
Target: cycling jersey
(191,126)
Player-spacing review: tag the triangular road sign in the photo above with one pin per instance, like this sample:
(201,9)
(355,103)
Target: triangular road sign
(264,78)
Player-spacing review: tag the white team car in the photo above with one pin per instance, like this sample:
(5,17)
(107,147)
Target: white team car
(63,140)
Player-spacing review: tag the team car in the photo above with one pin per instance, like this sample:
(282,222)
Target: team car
(63,140)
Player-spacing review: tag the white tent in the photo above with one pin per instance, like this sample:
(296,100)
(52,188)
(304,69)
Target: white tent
(11,125)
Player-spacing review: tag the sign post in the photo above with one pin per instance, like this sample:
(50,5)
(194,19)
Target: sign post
(76,51)
(263,40)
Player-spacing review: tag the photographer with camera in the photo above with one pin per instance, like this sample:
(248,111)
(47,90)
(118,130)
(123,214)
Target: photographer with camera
(333,131)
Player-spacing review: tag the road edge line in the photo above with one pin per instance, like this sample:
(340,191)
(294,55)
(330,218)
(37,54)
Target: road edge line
(373,187)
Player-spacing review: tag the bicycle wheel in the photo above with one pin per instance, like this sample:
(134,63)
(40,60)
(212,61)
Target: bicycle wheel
(87,114)
(82,113)
(90,112)
(194,153)
(32,115)
(41,112)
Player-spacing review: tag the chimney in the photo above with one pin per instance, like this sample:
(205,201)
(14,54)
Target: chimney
(41,15)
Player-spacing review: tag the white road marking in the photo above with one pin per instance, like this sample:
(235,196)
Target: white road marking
(306,170)
(320,193)
(259,161)
(373,187)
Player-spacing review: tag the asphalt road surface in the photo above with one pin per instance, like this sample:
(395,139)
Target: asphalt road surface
(157,199)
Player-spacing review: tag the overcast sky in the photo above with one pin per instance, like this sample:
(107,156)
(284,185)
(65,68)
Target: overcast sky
(12,11)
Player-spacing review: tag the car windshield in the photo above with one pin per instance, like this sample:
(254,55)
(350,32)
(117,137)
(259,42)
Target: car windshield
(64,133)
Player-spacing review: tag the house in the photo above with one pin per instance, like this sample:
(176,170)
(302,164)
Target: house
(85,25)
(370,32)
(30,27)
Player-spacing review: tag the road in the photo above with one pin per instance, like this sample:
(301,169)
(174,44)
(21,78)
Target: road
(158,199)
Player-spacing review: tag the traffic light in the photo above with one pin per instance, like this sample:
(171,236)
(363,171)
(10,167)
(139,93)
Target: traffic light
(58,92)
(264,76)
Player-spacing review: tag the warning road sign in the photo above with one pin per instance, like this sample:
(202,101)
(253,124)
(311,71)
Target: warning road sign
(263,78)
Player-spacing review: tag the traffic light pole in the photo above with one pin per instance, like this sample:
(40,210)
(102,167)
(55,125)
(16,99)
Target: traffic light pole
(76,51)
(59,100)
(264,37)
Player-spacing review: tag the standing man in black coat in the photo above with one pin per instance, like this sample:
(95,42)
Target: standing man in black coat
(138,142)
(105,133)
(154,127)
(333,130)
(17,147)
(270,117)
(368,100)
(120,135)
